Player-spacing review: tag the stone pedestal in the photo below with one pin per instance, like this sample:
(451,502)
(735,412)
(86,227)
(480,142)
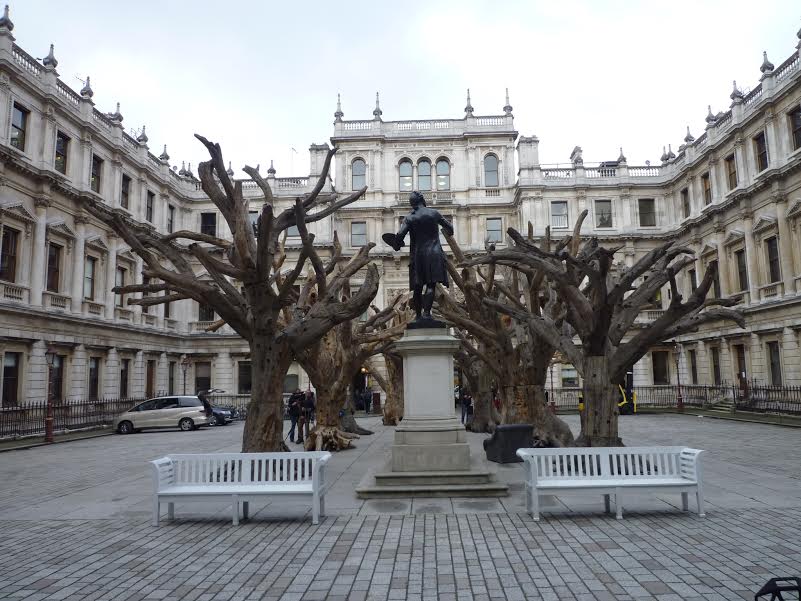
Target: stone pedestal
(430,454)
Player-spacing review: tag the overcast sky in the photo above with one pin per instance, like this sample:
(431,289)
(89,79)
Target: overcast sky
(262,77)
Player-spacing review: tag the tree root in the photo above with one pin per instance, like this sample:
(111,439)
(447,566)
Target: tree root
(328,438)
(348,424)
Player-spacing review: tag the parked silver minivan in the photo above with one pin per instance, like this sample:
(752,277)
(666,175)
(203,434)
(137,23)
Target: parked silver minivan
(183,412)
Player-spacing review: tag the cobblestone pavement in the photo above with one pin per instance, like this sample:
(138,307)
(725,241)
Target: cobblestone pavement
(74,524)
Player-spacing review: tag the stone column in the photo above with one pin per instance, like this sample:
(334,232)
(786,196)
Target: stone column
(39,260)
(723,267)
(137,279)
(78,257)
(35,388)
(759,369)
(162,374)
(740,162)
(791,358)
(136,378)
(702,363)
(111,274)
(223,372)
(111,375)
(751,258)
(77,373)
(785,247)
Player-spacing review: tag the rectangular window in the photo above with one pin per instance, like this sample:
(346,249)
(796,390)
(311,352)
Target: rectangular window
(603,213)
(742,269)
(151,198)
(19,126)
(731,171)
(772,255)
(57,378)
(145,282)
(125,365)
(170,219)
(119,280)
(97,173)
(205,312)
(89,278)
(167,309)
(685,202)
(53,267)
(11,373)
(559,214)
(715,365)
(706,186)
(716,280)
(245,379)
(494,229)
(569,377)
(171,377)
(358,233)
(661,370)
(94,378)
(739,352)
(202,376)
(125,192)
(8,255)
(62,152)
(647,208)
(761,151)
(693,367)
(775,360)
(208,224)
(795,128)
(693,280)
(254,222)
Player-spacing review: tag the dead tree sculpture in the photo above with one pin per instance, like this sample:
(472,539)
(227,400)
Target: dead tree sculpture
(247,288)
(601,311)
(392,384)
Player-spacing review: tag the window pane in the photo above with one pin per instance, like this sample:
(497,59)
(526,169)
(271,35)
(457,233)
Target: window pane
(62,147)
(208,224)
(293,231)
(94,378)
(89,278)
(491,171)
(202,376)
(97,173)
(53,267)
(660,367)
(245,378)
(795,128)
(558,214)
(647,212)
(405,176)
(11,373)
(603,213)
(494,229)
(358,173)
(774,270)
(151,197)
(19,123)
(358,233)
(742,269)
(125,192)
(205,313)
(424,176)
(119,280)
(443,175)
(774,357)
(8,255)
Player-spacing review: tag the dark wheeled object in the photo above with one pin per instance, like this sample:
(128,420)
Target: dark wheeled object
(502,446)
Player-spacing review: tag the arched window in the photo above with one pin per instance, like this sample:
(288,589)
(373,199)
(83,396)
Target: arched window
(358,174)
(405,176)
(443,175)
(424,175)
(491,171)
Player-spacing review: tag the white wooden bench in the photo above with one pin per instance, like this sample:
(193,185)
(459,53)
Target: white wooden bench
(610,471)
(240,478)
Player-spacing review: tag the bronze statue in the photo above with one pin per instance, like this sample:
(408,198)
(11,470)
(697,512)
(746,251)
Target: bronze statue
(427,261)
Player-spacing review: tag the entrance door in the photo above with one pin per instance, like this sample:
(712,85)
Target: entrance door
(150,379)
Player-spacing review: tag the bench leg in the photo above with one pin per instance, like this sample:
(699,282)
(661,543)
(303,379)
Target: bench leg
(235,505)
(699,497)
(245,507)
(315,509)
(607,507)
(322,506)
(685,505)
(171,511)
(618,505)
(535,504)
(156,510)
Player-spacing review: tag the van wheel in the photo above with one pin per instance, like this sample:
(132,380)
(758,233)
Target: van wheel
(213,420)
(186,424)
(125,428)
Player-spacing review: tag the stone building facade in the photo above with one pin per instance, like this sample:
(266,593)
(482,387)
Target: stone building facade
(733,194)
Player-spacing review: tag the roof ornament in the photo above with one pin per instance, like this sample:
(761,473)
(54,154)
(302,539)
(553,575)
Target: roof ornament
(182,170)
(50,60)
(664,156)
(670,154)
(189,171)
(689,138)
(622,157)
(469,108)
(508,108)
(736,95)
(142,138)
(377,112)
(710,118)
(271,170)
(5,20)
(229,171)
(116,115)
(338,114)
(86,91)
(767,66)
(164,156)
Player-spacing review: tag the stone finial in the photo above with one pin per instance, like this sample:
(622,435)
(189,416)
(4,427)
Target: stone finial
(710,118)
(164,156)
(736,95)
(622,157)
(670,153)
(468,109)
(5,20)
(377,112)
(116,115)
(767,66)
(189,171)
(182,170)
(507,109)
(86,90)
(229,171)
(50,60)
(664,156)
(576,156)
(689,138)
(142,138)
(271,170)
(338,114)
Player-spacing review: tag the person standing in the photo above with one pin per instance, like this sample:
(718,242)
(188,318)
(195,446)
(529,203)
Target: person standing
(295,407)
(467,403)
(308,410)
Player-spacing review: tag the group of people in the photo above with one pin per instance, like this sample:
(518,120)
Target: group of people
(301,413)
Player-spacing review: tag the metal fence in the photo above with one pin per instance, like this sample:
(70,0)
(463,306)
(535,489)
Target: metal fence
(28,419)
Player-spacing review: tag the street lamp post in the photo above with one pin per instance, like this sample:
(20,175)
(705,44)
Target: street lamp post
(50,357)
(679,398)
(184,367)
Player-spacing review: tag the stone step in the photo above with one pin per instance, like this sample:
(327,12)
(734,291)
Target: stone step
(420,478)
(491,489)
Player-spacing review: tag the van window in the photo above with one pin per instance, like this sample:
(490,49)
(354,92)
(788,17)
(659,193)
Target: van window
(168,403)
(190,402)
(147,405)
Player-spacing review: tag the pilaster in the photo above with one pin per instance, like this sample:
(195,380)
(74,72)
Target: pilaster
(39,254)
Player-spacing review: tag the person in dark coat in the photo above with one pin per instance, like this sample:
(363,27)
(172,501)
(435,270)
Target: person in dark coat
(427,260)
(295,407)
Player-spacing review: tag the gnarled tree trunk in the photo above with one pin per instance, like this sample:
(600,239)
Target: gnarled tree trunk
(484,419)
(600,405)
(264,425)
(393,407)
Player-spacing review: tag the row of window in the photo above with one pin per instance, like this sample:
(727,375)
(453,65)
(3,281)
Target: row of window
(440,172)
(604,217)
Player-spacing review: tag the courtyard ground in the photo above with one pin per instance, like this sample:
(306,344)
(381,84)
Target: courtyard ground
(75,524)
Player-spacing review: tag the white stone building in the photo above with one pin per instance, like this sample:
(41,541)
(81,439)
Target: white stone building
(733,194)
